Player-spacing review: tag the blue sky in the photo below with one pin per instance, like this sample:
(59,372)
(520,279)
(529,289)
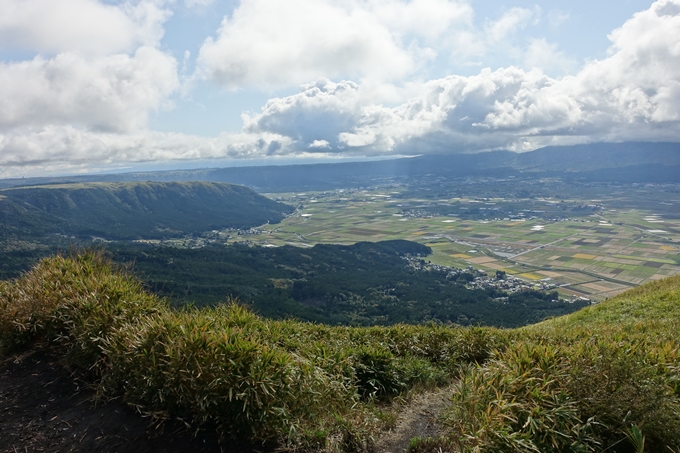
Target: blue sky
(88,85)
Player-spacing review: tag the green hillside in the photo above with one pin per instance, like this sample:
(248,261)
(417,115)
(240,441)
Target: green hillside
(650,312)
(139,210)
(606,378)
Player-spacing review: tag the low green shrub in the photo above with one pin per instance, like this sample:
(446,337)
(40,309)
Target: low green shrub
(583,397)
(628,384)
(71,301)
(440,444)
(226,368)
(379,374)
(201,366)
(605,379)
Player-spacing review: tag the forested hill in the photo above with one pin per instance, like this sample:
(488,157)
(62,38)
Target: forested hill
(134,210)
(367,283)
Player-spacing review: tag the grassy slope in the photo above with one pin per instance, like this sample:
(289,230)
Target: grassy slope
(606,378)
(134,210)
(650,312)
(225,368)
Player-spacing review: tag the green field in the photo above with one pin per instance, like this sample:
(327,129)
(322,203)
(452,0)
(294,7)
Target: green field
(595,255)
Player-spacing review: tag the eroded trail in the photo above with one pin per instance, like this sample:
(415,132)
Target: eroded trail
(419,418)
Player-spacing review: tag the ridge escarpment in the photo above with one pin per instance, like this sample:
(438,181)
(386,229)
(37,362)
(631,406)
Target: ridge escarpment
(134,210)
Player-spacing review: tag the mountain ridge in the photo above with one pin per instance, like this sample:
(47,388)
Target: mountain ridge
(590,162)
(134,210)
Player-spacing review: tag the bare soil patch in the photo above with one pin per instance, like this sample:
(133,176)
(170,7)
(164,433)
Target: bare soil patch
(419,418)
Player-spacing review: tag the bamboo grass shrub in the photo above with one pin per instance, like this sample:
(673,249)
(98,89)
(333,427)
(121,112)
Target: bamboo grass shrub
(517,402)
(201,367)
(72,301)
(225,368)
(436,343)
(603,379)
(586,397)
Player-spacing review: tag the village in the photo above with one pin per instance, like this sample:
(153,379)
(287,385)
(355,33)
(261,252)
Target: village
(478,279)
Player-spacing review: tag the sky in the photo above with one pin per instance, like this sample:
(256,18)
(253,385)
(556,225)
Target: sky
(92,86)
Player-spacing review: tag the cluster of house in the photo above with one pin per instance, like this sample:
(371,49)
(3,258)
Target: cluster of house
(475,278)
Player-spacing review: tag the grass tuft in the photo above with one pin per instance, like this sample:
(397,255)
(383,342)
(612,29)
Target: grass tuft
(602,379)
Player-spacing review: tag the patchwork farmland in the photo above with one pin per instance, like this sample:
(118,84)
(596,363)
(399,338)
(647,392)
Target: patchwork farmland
(595,255)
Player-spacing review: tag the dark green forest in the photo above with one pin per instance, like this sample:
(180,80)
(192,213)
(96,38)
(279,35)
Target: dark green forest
(361,284)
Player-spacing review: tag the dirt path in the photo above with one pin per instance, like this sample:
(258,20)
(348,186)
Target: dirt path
(419,418)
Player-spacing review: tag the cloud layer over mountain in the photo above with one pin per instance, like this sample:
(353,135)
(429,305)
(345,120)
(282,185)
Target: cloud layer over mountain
(634,94)
(97,71)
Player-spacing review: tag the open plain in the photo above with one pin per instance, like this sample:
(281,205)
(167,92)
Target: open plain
(587,247)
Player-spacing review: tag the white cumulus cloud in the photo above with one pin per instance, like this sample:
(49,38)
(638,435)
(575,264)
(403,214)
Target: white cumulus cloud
(634,94)
(107,93)
(83,26)
(68,149)
(545,55)
(274,44)
(97,65)
(319,144)
(511,21)
(320,111)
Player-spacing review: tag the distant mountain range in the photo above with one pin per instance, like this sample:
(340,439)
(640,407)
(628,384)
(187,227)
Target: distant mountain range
(133,210)
(606,162)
